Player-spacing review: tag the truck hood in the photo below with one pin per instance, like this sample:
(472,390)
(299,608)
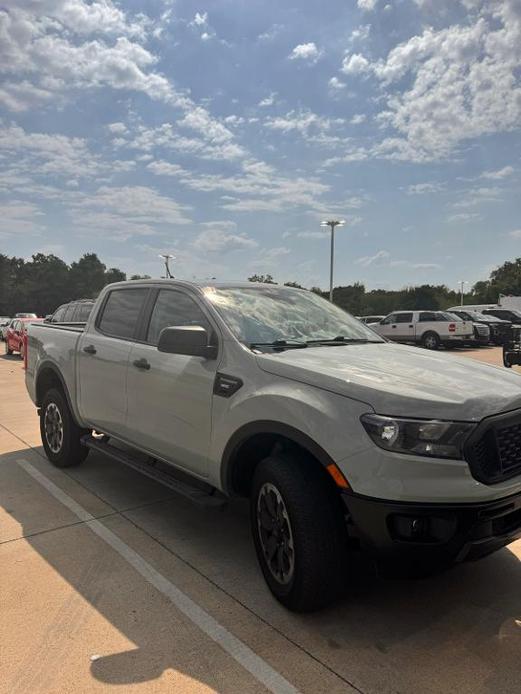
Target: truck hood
(402,381)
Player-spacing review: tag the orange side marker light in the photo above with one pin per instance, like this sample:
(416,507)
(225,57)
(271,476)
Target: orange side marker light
(337,476)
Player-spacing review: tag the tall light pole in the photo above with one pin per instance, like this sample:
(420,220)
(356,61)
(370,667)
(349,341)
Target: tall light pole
(167,257)
(332,224)
(462,284)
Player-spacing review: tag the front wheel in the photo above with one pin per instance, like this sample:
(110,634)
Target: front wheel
(61,436)
(506,362)
(431,341)
(8,350)
(299,532)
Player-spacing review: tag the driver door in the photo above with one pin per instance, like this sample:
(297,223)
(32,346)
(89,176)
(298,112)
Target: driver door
(170,395)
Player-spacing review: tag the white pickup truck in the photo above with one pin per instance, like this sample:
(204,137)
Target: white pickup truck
(428,328)
(340,439)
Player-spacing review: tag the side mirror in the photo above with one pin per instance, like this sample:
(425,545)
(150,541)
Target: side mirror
(192,340)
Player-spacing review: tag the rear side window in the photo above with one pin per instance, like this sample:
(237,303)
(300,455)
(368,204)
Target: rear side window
(174,309)
(121,312)
(83,312)
(428,317)
(403,318)
(69,313)
(58,314)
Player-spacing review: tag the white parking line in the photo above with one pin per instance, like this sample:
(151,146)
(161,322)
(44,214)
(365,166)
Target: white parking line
(249,660)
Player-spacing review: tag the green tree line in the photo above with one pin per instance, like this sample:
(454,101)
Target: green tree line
(41,284)
(356,299)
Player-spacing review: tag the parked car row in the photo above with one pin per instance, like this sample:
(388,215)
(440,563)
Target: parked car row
(451,328)
(15,334)
(73,312)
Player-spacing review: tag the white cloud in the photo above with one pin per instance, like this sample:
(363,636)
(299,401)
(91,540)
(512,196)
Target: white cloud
(477,196)
(377,259)
(335,83)
(367,5)
(200,19)
(358,118)
(464,217)
(18,217)
(499,174)
(117,128)
(360,34)
(272,33)
(422,188)
(355,64)
(306,51)
(164,168)
(515,234)
(268,101)
(219,240)
(300,121)
(43,154)
(123,212)
(460,82)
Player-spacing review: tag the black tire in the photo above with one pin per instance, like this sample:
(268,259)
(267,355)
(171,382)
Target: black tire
(506,363)
(22,352)
(7,350)
(431,340)
(65,449)
(316,526)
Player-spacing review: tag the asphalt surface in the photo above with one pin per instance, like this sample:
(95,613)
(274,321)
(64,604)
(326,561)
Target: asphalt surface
(108,580)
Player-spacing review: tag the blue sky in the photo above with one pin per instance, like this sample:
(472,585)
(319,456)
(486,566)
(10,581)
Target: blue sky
(223,132)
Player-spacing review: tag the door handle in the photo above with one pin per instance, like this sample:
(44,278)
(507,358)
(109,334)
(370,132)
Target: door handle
(141,364)
(411,326)
(393,327)
(90,349)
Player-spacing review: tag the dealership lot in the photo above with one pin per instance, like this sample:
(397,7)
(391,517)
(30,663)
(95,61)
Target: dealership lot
(109,579)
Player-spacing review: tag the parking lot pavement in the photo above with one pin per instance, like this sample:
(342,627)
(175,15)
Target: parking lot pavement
(109,579)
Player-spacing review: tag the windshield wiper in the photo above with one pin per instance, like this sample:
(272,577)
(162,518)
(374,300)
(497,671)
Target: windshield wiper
(280,344)
(342,340)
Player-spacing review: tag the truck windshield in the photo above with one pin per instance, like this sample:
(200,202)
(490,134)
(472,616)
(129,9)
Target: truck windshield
(271,314)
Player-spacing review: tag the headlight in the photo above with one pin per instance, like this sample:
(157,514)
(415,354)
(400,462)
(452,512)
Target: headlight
(432,438)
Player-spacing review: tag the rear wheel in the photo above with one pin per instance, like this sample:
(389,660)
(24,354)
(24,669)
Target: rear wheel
(61,436)
(431,340)
(506,362)
(299,533)
(8,350)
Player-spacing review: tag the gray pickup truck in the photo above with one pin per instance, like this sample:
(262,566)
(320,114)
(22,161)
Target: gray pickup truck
(340,439)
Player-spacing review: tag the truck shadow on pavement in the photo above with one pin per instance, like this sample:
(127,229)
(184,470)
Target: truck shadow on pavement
(460,630)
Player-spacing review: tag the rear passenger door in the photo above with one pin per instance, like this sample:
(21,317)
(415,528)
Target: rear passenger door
(103,354)
(404,327)
(170,395)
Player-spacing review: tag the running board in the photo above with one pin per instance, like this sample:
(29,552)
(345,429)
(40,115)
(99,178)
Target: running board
(207,499)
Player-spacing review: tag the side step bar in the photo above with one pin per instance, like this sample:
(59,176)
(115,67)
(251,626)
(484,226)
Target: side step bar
(201,497)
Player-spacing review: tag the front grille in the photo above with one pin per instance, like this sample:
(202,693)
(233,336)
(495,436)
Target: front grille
(494,449)
(483,330)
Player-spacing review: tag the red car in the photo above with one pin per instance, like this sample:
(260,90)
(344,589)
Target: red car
(15,335)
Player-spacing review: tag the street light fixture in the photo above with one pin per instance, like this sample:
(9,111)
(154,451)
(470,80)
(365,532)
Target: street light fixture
(332,224)
(462,284)
(167,257)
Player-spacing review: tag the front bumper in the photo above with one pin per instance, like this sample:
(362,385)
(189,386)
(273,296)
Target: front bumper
(432,534)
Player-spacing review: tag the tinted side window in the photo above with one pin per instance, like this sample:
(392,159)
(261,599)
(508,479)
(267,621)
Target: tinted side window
(69,313)
(427,317)
(83,312)
(121,312)
(174,309)
(390,319)
(403,317)
(58,314)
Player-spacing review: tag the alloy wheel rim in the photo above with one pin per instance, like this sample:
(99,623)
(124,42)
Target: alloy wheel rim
(430,342)
(275,533)
(53,425)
